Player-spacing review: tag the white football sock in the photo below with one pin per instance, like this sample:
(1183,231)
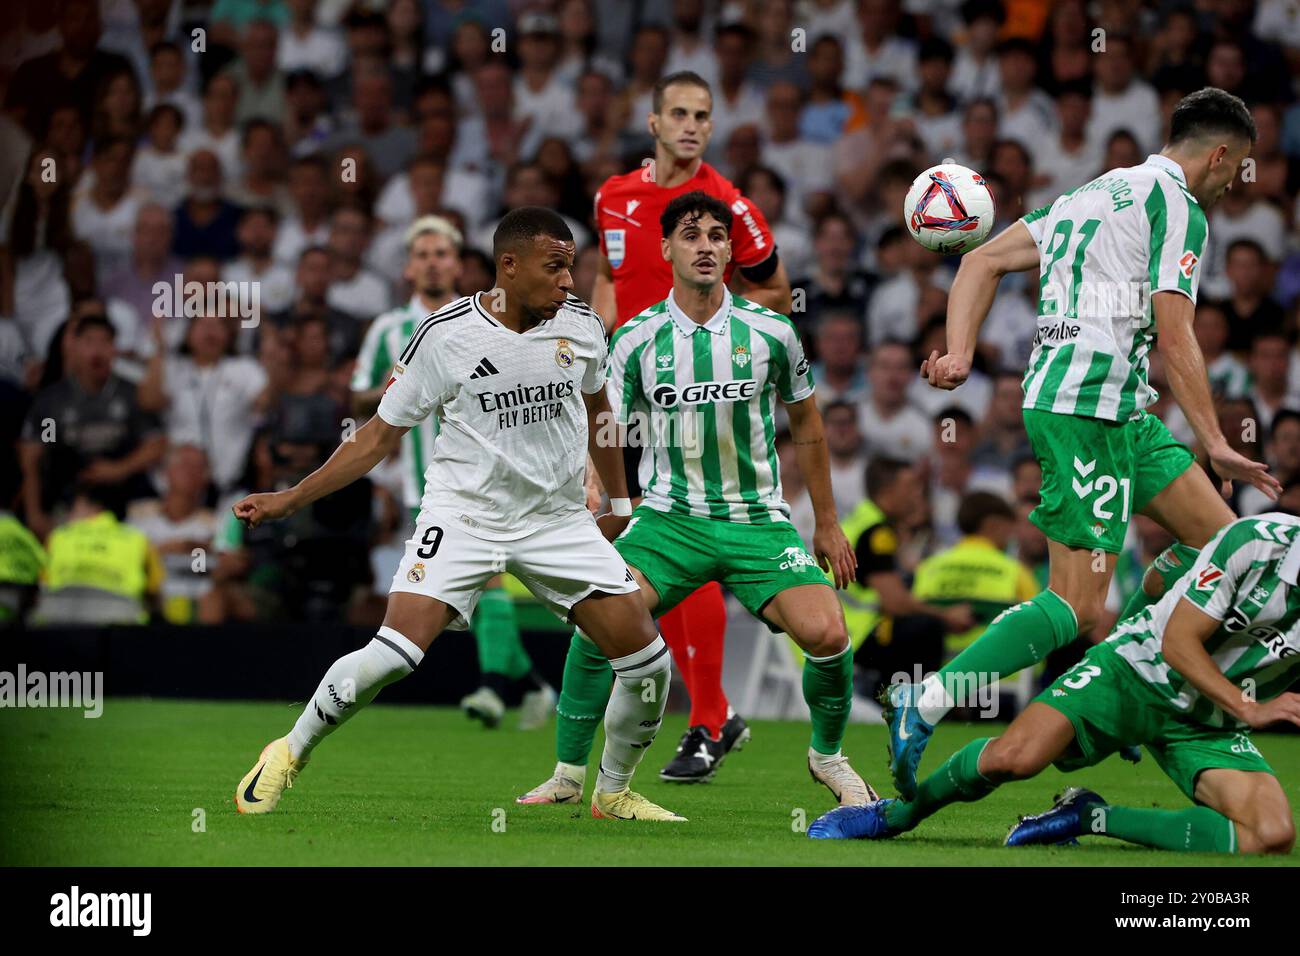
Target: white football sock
(635,710)
(933,700)
(352,682)
(575,772)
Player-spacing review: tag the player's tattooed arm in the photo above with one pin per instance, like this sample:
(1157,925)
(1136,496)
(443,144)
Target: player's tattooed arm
(971,297)
(830,546)
(372,443)
(1185,369)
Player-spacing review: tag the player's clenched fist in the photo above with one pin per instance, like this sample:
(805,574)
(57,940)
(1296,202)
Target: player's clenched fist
(945,371)
(255,509)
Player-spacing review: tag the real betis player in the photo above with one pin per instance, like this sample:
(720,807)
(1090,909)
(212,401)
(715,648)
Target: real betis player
(1190,677)
(433,247)
(696,378)
(1118,261)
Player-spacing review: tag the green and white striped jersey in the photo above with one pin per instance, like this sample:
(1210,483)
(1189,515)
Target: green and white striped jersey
(699,399)
(1246,579)
(384,341)
(1104,250)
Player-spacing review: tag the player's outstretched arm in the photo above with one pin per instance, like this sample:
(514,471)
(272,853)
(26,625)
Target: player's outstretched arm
(1185,368)
(372,443)
(830,546)
(971,297)
(1184,650)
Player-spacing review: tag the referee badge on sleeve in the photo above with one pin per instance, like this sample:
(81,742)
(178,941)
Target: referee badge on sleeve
(615,247)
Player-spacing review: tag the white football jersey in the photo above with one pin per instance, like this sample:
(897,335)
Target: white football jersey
(512,450)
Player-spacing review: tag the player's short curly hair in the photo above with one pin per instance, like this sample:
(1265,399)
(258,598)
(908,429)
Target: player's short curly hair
(691,205)
(523,225)
(1210,112)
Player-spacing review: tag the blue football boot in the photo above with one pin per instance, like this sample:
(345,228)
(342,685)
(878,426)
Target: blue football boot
(1062,825)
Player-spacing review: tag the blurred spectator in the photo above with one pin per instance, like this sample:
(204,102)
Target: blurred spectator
(1068,58)
(737,100)
(1227,373)
(87,428)
(373,125)
(169,84)
(540,93)
(1002,438)
(1249,309)
(308,224)
(1122,151)
(159,166)
(1282,452)
(897,303)
(838,371)
(833,281)
(103,216)
(151,262)
(1269,364)
(305,45)
(180,526)
(1026,479)
(805,167)
(99,570)
(828,106)
(217,132)
(117,107)
(40,234)
(1069,158)
(954,473)
(775,60)
(70,74)
(875,49)
(1122,100)
(354,289)
(847,451)
(262,161)
(975,73)
(205,221)
(979,131)
(207,397)
(1025,112)
(255,263)
(310,302)
(767,188)
(259,86)
(893,427)
(307,125)
(937,121)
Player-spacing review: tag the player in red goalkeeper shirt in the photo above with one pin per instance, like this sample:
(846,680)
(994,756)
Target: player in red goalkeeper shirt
(632,276)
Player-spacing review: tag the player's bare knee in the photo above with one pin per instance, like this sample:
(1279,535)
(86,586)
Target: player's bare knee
(1275,834)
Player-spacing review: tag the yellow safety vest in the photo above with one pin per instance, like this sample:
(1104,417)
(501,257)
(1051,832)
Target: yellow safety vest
(973,571)
(861,604)
(100,552)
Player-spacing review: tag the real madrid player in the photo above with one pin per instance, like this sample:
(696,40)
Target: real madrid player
(1118,261)
(1190,677)
(695,379)
(504,492)
(432,267)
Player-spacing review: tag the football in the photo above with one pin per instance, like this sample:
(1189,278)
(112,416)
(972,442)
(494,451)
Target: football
(949,209)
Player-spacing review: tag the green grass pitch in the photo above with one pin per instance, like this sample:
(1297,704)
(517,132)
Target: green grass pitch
(425,786)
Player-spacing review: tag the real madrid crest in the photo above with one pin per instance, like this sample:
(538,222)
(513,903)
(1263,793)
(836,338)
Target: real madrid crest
(563,354)
(740,357)
(416,574)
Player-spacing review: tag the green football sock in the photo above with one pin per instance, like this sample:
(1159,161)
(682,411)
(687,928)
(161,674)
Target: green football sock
(1171,564)
(1018,637)
(587,681)
(958,780)
(1194,829)
(828,690)
(500,651)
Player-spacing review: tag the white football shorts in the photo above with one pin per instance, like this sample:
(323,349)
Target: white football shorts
(560,564)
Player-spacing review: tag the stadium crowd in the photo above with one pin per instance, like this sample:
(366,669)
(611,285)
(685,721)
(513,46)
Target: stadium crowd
(285,146)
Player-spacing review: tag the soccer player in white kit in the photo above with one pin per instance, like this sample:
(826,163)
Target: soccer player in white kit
(517,375)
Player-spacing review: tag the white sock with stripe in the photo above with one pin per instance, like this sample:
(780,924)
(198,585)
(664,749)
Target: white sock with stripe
(635,710)
(352,682)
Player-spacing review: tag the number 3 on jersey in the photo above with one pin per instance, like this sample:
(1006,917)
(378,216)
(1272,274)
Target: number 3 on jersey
(1104,487)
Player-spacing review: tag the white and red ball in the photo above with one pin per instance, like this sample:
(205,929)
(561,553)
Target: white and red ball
(949,209)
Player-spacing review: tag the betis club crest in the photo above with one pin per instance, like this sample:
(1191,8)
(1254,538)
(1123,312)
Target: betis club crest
(740,357)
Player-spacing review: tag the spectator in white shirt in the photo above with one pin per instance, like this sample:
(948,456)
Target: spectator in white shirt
(737,101)
(689,48)
(979,131)
(893,311)
(169,83)
(875,48)
(839,372)
(934,111)
(1069,159)
(975,70)
(262,183)
(1121,100)
(308,224)
(806,167)
(256,236)
(306,45)
(539,92)
(891,425)
(207,397)
(846,450)
(104,216)
(1025,112)
(217,131)
(159,165)
(354,288)
(767,188)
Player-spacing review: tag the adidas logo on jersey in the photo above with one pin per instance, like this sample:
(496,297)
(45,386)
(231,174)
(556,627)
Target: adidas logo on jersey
(484,369)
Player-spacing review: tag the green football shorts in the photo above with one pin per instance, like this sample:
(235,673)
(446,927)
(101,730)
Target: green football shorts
(1097,473)
(680,553)
(1111,707)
